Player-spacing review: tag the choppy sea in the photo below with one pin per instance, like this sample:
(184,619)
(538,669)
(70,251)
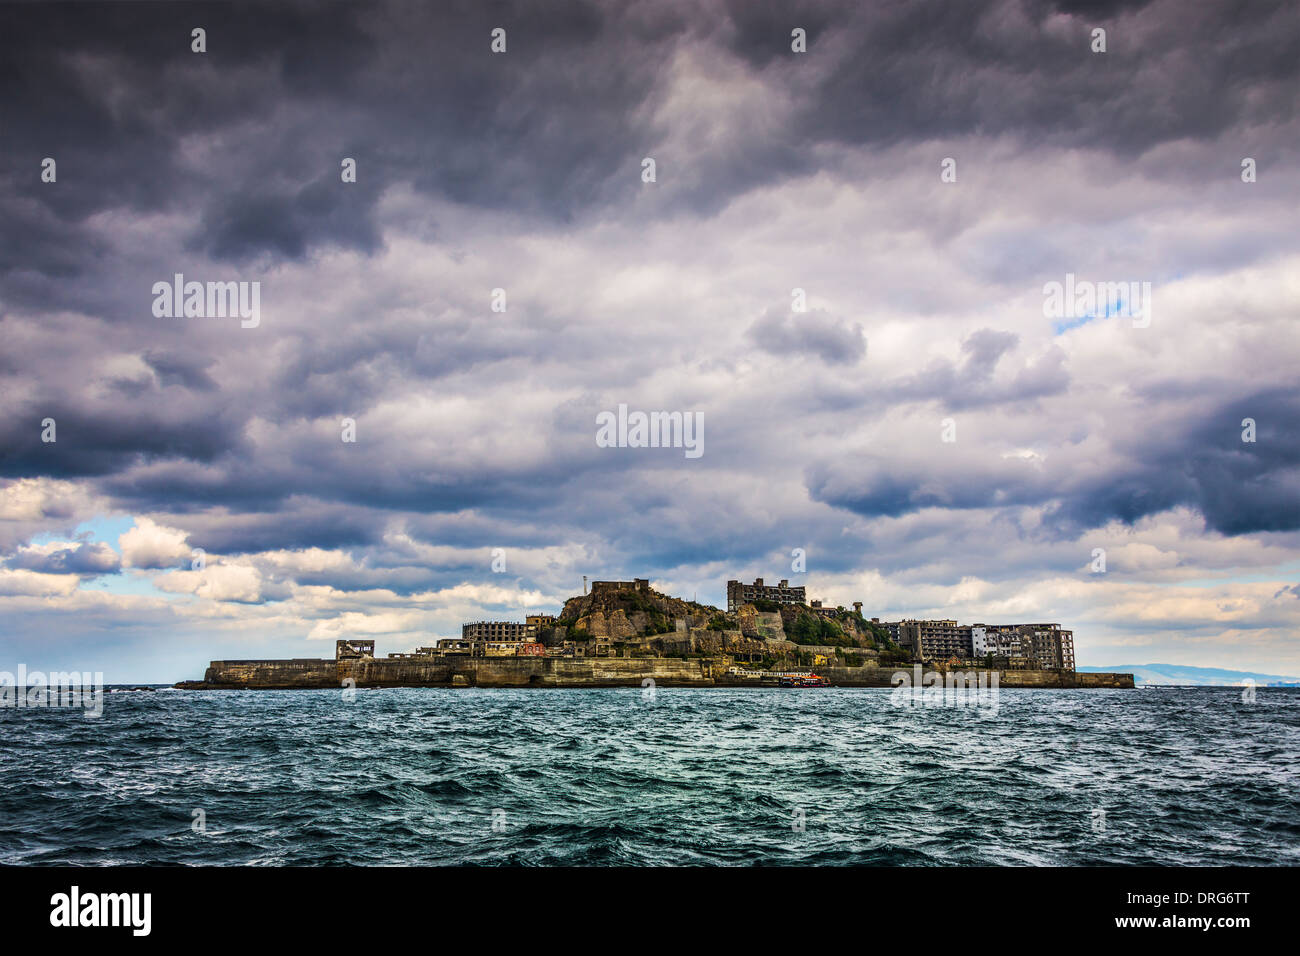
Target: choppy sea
(1184,776)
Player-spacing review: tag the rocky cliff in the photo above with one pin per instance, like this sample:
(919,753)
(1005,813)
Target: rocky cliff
(629,615)
(636,616)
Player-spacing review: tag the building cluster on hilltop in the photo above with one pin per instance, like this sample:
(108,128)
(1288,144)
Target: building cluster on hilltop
(1013,646)
(1007,646)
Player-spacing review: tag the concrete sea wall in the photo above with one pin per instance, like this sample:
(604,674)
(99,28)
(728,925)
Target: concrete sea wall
(279,675)
(871,676)
(460,671)
(566,672)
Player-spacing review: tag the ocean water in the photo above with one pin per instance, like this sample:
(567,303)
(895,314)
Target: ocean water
(692,776)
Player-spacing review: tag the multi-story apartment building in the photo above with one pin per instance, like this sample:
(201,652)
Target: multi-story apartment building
(496,631)
(994,640)
(1043,646)
(936,640)
(500,638)
(891,627)
(1050,647)
(738,593)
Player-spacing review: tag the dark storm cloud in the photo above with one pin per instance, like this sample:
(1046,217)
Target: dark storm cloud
(552,127)
(382,475)
(983,348)
(985,376)
(401,581)
(295,523)
(188,370)
(815,332)
(476,429)
(285,91)
(101,439)
(82,557)
(1239,487)
(971,383)
(111,90)
(287,225)
(932,70)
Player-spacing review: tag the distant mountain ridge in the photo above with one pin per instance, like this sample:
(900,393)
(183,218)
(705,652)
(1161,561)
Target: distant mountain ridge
(1171,674)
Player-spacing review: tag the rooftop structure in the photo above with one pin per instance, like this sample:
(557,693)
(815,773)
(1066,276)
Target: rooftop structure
(636,584)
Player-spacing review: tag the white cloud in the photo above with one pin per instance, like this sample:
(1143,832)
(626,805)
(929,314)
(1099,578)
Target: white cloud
(151,545)
(35,584)
(216,582)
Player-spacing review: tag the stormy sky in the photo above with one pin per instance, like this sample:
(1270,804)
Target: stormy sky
(523,171)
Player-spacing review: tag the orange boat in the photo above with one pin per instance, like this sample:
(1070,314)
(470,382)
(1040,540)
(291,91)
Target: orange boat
(810,680)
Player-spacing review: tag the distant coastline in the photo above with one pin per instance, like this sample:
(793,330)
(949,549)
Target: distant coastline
(1186,675)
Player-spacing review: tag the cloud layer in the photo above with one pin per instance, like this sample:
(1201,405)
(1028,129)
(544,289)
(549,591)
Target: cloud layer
(522,172)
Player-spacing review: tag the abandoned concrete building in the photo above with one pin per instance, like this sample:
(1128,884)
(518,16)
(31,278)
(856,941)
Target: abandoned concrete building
(739,594)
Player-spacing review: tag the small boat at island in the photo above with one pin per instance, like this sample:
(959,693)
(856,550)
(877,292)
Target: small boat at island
(808,680)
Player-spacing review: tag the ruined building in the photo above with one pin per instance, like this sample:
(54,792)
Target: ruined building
(738,594)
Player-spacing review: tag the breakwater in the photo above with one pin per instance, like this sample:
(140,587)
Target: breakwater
(307,673)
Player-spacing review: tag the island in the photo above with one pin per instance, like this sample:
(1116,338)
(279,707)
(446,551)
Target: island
(627,634)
